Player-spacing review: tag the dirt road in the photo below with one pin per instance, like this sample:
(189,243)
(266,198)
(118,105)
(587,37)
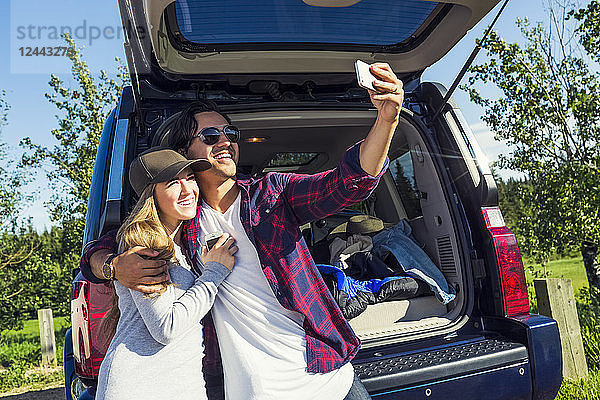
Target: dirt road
(47,394)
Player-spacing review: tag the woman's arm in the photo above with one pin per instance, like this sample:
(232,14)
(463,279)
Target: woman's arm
(170,314)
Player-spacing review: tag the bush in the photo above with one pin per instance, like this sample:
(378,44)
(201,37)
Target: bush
(588,389)
(20,356)
(588,308)
(36,274)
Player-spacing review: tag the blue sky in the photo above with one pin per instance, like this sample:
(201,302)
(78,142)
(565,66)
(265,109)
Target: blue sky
(96,23)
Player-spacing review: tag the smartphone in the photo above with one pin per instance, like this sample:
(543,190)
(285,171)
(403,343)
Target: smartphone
(211,238)
(364,76)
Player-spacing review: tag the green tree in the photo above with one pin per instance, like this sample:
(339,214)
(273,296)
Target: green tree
(35,269)
(588,29)
(11,178)
(549,114)
(83,110)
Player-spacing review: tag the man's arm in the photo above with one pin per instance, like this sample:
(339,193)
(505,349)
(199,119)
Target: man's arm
(388,101)
(312,197)
(316,196)
(132,270)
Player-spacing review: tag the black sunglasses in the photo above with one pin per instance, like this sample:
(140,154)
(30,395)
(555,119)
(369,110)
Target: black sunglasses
(212,134)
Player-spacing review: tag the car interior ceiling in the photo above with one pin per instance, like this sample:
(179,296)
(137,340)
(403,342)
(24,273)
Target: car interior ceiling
(430,222)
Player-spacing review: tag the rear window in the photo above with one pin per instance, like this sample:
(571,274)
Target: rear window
(402,170)
(291,159)
(368,22)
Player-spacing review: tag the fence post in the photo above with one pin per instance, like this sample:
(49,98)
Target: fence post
(47,340)
(555,299)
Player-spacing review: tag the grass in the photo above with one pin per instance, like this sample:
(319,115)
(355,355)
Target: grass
(20,357)
(588,389)
(571,268)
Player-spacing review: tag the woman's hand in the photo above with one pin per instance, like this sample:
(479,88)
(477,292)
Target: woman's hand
(222,251)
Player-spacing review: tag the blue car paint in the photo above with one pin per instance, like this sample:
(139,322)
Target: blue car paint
(68,364)
(506,383)
(540,335)
(88,394)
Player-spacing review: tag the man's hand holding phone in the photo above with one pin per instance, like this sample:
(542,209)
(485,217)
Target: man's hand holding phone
(385,89)
(220,249)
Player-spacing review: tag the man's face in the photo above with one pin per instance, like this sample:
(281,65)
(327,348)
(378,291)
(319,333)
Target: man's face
(223,155)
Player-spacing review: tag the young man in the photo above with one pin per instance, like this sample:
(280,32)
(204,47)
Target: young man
(280,333)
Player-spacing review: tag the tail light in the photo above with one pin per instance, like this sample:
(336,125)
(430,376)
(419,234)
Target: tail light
(89,304)
(515,299)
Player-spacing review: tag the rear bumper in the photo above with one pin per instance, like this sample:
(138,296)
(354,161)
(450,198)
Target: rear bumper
(540,335)
(448,371)
(509,382)
(518,359)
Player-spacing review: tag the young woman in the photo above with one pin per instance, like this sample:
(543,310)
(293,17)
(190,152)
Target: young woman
(157,348)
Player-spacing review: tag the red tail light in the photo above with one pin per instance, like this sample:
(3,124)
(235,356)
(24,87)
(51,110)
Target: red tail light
(89,304)
(515,299)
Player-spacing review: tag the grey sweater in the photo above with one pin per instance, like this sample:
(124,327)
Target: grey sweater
(157,349)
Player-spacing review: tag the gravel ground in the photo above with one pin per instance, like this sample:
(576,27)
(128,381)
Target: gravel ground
(46,394)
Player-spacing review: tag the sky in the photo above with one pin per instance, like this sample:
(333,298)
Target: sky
(95,24)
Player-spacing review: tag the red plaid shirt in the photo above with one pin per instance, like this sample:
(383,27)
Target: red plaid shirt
(272,210)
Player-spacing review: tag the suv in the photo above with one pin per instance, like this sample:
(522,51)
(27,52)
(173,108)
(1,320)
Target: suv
(284,73)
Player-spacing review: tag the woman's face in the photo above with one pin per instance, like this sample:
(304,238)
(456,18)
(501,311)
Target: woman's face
(177,199)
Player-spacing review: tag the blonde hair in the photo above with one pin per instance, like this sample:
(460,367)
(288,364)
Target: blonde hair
(144,228)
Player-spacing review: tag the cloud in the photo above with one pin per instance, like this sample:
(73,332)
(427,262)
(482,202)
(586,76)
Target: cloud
(479,127)
(492,147)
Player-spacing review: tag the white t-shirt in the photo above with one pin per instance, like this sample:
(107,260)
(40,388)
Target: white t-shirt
(263,345)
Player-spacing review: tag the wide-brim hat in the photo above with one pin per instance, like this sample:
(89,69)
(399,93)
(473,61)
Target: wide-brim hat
(160,164)
(360,224)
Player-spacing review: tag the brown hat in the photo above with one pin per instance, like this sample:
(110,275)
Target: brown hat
(160,164)
(359,224)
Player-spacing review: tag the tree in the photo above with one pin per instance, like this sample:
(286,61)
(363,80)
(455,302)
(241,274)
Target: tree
(11,178)
(549,115)
(82,113)
(35,273)
(589,28)
(35,269)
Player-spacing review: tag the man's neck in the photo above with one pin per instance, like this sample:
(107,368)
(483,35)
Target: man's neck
(220,195)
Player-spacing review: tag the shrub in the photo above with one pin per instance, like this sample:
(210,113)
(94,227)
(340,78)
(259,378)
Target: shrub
(588,308)
(20,356)
(588,389)
(37,274)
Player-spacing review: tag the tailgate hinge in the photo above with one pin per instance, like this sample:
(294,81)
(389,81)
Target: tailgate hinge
(478,269)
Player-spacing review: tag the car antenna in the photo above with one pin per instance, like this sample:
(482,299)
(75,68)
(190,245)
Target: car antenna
(465,67)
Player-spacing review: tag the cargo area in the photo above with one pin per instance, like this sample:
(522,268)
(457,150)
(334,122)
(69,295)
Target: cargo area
(410,193)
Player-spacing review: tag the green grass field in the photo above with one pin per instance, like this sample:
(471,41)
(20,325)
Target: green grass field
(571,268)
(20,357)
(31,329)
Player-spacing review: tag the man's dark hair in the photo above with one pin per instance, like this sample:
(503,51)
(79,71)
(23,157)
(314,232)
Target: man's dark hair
(185,126)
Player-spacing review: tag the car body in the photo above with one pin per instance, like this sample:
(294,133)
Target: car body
(294,95)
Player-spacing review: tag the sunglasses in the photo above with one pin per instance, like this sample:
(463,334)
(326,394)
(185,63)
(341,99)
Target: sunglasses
(212,134)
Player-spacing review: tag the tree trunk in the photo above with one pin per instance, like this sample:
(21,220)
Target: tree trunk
(589,251)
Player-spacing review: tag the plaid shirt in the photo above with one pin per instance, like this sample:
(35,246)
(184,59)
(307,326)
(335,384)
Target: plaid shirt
(272,210)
